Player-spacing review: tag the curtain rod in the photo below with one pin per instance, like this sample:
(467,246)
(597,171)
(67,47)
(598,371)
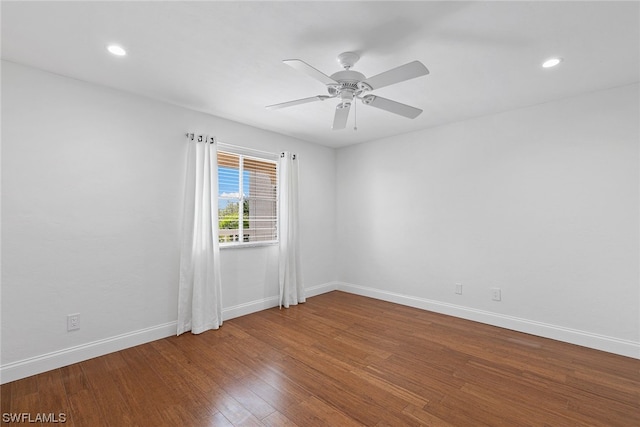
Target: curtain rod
(221,144)
(192,136)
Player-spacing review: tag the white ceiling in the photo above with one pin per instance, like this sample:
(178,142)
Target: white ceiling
(224,58)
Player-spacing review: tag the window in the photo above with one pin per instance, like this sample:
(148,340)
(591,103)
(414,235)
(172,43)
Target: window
(249,185)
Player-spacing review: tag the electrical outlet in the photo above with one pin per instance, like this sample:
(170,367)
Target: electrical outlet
(459,288)
(73,322)
(495,294)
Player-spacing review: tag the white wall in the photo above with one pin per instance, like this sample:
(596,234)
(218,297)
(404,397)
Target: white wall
(92,182)
(542,202)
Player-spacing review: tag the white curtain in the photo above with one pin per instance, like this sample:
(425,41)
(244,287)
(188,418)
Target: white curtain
(199,292)
(291,289)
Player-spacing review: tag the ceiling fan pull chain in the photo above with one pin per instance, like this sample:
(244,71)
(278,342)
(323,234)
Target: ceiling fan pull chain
(355,116)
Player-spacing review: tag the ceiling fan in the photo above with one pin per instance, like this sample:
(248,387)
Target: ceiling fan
(348,85)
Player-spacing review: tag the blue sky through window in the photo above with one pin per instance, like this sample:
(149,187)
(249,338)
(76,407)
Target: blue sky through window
(228,180)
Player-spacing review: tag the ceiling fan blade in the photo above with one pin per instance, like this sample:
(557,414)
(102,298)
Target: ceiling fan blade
(340,118)
(297,102)
(396,75)
(310,71)
(392,106)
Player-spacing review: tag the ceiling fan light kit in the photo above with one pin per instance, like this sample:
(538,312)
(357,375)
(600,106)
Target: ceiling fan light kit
(348,85)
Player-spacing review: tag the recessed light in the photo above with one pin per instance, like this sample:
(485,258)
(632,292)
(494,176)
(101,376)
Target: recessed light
(116,50)
(551,62)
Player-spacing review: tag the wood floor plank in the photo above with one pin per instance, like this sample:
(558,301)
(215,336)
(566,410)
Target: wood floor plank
(27,406)
(420,414)
(278,420)
(5,398)
(316,412)
(184,393)
(219,420)
(73,379)
(24,387)
(180,415)
(604,385)
(241,391)
(105,388)
(180,355)
(53,397)
(81,415)
(209,373)
(276,389)
(233,410)
(602,412)
(135,387)
(351,383)
(341,360)
(364,404)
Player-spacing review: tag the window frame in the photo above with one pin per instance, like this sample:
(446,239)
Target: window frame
(257,155)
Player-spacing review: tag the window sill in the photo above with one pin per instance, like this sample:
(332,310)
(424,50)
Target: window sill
(247,245)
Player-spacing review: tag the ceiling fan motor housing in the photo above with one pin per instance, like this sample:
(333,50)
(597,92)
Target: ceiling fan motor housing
(349,81)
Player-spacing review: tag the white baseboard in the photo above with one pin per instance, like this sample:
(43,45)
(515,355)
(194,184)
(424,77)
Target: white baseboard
(249,307)
(270,302)
(582,338)
(321,289)
(57,359)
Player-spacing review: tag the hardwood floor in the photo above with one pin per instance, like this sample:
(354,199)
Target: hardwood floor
(340,360)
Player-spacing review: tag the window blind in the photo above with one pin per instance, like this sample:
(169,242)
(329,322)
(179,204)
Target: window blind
(247,199)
